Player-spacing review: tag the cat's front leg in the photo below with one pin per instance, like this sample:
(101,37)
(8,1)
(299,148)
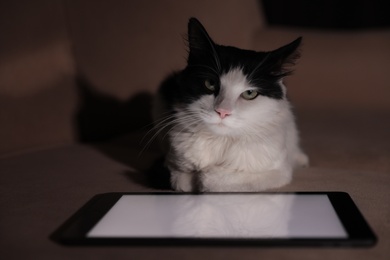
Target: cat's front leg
(220,181)
(224,181)
(183,181)
(301,159)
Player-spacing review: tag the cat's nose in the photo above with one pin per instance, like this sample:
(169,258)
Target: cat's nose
(223,112)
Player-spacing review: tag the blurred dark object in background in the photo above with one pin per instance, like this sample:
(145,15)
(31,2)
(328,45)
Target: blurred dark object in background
(328,14)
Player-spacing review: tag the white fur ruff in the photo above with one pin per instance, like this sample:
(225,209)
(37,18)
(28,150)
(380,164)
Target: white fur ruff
(255,148)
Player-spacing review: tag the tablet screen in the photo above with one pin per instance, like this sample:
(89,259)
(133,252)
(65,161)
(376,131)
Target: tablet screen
(285,216)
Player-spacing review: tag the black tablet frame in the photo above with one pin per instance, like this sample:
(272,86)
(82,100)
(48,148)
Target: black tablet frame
(74,230)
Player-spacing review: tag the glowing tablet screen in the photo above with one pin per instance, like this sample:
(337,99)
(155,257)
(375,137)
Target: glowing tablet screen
(221,216)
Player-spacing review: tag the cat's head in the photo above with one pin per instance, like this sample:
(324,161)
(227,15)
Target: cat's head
(233,91)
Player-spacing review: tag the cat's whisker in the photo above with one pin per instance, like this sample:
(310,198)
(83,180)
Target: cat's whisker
(188,125)
(162,117)
(157,124)
(258,66)
(165,122)
(216,72)
(161,124)
(154,136)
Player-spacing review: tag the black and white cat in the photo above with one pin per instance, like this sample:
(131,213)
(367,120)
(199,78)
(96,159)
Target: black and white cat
(227,121)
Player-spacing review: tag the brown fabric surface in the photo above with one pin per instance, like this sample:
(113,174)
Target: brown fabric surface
(338,70)
(40,190)
(37,93)
(119,51)
(122,48)
(130,46)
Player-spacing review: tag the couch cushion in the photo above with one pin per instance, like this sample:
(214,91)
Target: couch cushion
(37,92)
(40,190)
(126,47)
(338,69)
(122,47)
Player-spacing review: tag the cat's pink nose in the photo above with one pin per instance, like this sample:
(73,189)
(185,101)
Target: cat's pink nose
(223,112)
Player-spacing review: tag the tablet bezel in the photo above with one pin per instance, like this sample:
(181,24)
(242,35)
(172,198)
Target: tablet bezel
(74,230)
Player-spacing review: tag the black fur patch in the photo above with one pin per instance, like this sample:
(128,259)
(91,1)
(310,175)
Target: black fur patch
(208,61)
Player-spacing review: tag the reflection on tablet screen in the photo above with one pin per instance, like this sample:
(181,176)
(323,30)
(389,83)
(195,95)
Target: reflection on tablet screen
(221,216)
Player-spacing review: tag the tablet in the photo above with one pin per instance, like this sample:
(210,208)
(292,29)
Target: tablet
(258,219)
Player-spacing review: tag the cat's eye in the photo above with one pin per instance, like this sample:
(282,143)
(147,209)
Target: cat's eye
(249,94)
(210,84)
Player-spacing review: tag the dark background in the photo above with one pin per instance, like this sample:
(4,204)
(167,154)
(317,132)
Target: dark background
(328,14)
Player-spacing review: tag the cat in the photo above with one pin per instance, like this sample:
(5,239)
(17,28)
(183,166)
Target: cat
(225,119)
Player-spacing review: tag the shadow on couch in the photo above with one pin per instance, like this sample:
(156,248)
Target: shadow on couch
(120,130)
(102,117)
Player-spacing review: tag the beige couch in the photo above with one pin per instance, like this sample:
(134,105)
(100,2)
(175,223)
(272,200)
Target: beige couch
(76,81)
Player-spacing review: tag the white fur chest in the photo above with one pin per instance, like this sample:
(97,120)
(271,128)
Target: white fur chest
(206,151)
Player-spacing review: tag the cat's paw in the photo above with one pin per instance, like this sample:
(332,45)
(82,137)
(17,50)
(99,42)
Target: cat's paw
(301,160)
(214,182)
(183,182)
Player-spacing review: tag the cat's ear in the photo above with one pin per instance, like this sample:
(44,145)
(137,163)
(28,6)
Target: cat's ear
(198,38)
(281,60)
(200,43)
